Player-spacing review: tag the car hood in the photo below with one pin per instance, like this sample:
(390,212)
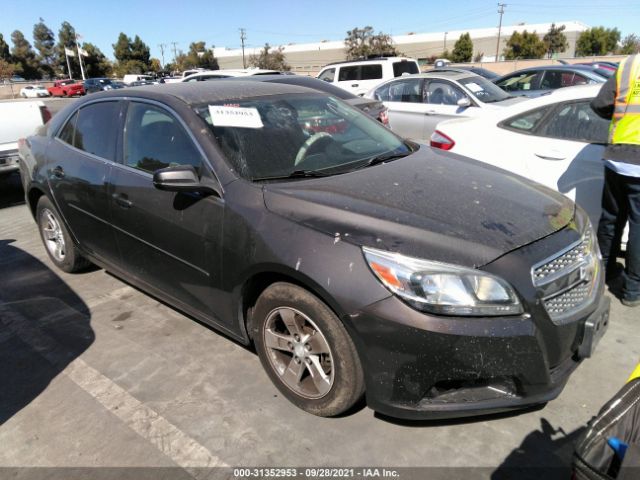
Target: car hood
(438,206)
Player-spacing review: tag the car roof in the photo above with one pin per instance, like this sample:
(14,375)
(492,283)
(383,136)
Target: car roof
(196,93)
(300,80)
(368,60)
(575,68)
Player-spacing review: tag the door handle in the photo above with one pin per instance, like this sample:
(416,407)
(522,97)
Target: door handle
(430,112)
(58,172)
(122,200)
(355,84)
(551,155)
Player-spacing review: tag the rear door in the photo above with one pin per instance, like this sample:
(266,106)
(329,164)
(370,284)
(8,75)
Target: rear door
(171,241)
(567,154)
(359,79)
(406,109)
(80,160)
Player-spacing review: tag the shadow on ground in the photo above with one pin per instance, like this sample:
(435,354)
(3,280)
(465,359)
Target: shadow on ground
(543,454)
(44,326)
(11,192)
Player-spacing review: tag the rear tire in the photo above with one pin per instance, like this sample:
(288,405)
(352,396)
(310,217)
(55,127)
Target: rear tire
(306,351)
(56,239)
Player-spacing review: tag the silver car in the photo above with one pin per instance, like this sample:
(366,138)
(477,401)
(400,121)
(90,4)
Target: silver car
(417,103)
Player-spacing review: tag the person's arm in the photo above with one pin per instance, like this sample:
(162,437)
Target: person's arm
(605,100)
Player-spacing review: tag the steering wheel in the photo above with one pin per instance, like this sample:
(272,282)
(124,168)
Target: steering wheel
(309,142)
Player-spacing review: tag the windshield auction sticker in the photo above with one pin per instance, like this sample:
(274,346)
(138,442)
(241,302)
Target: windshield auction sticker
(232,116)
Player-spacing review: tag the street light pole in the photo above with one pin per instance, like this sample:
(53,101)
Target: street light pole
(501,12)
(444,44)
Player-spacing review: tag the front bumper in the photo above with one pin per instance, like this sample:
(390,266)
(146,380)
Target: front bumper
(420,366)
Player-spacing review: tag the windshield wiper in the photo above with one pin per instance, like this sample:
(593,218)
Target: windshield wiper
(386,157)
(295,174)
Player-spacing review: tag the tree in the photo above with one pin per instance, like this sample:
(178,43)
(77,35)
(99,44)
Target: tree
(630,45)
(95,63)
(597,41)
(24,57)
(132,56)
(66,39)
(6,69)
(463,49)
(4,50)
(199,56)
(44,42)
(555,40)
(524,45)
(270,59)
(155,65)
(363,43)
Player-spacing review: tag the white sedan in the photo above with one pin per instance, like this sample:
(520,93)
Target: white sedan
(417,103)
(33,91)
(555,139)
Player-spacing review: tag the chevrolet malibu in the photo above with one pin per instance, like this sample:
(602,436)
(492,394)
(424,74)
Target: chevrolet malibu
(355,262)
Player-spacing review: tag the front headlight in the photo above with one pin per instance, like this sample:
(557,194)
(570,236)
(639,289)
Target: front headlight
(443,288)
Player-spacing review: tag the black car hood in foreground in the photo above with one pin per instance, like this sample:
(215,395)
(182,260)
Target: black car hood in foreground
(429,205)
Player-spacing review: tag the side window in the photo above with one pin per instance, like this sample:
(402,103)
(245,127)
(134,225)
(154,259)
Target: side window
(95,130)
(521,81)
(552,79)
(328,75)
(525,122)
(66,134)
(382,93)
(371,72)
(348,74)
(407,91)
(442,93)
(579,80)
(154,139)
(400,68)
(575,121)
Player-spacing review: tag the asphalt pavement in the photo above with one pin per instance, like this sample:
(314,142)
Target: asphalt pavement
(98,376)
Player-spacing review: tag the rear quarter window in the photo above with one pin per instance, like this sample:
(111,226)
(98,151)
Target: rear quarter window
(400,68)
(526,122)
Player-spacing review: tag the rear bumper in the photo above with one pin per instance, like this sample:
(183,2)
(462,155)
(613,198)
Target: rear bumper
(9,161)
(420,366)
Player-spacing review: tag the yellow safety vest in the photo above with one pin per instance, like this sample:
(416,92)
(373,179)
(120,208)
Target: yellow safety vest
(625,124)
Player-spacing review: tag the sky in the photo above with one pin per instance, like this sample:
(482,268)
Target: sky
(288,21)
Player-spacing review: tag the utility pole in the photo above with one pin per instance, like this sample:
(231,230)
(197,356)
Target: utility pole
(162,45)
(501,12)
(243,37)
(444,44)
(175,55)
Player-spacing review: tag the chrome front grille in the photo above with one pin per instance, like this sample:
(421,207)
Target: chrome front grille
(566,282)
(569,300)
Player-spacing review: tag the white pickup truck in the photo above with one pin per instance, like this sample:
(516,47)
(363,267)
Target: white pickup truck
(17,120)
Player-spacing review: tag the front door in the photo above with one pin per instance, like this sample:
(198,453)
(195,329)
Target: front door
(170,241)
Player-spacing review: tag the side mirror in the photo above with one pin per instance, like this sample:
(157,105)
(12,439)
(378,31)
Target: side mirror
(464,102)
(181,178)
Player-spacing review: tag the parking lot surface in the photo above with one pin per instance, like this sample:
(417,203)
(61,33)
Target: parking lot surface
(98,374)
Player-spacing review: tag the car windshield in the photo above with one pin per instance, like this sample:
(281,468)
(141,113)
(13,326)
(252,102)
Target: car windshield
(484,90)
(282,136)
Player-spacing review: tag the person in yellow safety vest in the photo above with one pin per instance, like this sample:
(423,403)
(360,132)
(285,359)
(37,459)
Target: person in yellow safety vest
(619,100)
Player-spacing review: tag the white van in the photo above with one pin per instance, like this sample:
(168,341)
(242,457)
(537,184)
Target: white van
(136,78)
(360,76)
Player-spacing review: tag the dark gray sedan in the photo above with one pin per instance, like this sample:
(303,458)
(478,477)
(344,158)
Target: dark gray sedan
(355,262)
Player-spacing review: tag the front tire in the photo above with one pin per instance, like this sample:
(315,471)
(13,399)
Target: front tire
(56,239)
(306,351)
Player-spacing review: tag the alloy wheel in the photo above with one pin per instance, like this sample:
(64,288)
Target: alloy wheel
(52,234)
(299,352)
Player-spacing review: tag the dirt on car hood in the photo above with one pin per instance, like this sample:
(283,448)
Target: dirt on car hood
(433,205)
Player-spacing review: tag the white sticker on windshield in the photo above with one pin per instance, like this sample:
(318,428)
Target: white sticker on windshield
(232,116)
(474,87)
